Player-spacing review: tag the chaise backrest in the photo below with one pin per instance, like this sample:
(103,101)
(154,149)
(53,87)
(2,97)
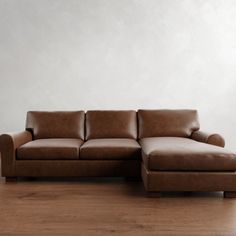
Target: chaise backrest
(173,123)
(58,124)
(111,124)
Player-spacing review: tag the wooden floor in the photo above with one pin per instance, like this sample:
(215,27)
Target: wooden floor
(109,207)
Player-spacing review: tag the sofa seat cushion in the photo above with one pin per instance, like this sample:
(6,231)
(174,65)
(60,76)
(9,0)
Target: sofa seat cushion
(110,149)
(50,149)
(177,154)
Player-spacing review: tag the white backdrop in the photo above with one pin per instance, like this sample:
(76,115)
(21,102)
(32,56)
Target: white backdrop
(119,54)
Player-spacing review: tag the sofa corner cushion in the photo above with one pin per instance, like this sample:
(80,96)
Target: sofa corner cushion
(57,124)
(164,123)
(184,154)
(110,149)
(50,149)
(111,124)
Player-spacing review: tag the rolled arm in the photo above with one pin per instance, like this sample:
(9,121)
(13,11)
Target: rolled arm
(8,145)
(214,139)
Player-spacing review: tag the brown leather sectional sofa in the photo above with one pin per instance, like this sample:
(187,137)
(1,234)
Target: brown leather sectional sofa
(165,147)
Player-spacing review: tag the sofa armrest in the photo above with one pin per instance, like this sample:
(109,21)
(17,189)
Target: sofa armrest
(8,145)
(214,139)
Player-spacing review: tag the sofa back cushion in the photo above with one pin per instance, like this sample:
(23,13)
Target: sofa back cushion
(58,124)
(172,123)
(111,124)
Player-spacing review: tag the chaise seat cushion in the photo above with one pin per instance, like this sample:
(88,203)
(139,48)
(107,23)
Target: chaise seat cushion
(110,149)
(50,149)
(184,154)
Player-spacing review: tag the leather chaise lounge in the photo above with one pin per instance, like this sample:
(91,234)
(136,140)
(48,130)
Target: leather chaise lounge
(164,147)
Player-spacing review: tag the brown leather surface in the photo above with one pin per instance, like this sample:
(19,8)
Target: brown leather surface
(214,139)
(58,124)
(8,145)
(175,153)
(188,181)
(50,149)
(111,124)
(85,168)
(111,149)
(159,123)
(169,163)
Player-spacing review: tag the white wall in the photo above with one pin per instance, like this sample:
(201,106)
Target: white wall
(119,54)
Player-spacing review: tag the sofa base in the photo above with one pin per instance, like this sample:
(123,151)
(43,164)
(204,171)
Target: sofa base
(160,181)
(133,178)
(230,194)
(153,194)
(77,168)
(227,194)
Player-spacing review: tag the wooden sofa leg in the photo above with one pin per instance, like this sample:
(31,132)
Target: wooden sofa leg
(153,194)
(230,194)
(11,179)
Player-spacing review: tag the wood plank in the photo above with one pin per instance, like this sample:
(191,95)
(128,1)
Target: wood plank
(10,179)
(109,207)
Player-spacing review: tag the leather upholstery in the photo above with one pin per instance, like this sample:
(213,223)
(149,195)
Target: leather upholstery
(111,124)
(177,154)
(188,181)
(8,145)
(50,149)
(60,124)
(159,123)
(214,139)
(110,149)
(177,163)
(83,168)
